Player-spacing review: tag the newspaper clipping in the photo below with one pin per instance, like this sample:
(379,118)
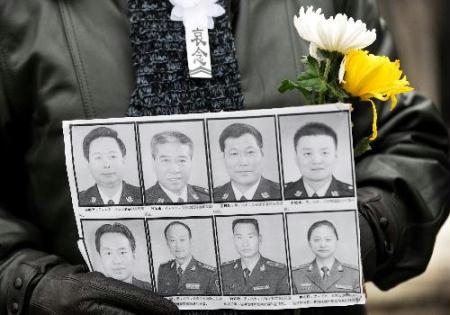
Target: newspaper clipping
(236,210)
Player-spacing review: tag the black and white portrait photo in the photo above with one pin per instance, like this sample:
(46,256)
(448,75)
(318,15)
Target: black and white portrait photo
(253,255)
(244,159)
(184,256)
(106,167)
(118,249)
(316,155)
(324,252)
(174,162)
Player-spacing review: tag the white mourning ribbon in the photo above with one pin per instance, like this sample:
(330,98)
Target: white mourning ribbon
(197,17)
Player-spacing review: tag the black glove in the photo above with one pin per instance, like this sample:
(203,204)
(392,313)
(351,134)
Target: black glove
(372,228)
(68,289)
(368,248)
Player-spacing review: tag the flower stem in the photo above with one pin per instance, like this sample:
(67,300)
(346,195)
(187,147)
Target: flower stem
(326,72)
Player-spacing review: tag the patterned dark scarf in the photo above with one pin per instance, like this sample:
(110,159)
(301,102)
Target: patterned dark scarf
(163,85)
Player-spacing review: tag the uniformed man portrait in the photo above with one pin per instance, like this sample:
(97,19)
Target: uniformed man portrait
(251,273)
(116,247)
(325,274)
(172,153)
(184,275)
(242,150)
(316,145)
(105,153)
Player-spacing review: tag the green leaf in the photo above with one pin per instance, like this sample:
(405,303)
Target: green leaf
(312,67)
(362,147)
(318,82)
(314,84)
(337,92)
(312,79)
(286,85)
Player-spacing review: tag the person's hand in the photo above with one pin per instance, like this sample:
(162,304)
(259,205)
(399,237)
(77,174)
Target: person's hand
(368,249)
(67,289)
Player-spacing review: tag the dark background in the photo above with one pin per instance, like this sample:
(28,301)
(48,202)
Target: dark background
(421,31)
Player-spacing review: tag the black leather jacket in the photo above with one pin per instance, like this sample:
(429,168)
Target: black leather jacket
(62,59)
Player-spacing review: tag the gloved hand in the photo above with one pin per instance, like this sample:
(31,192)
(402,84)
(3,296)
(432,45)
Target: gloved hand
(68,289)
(372,226)
(368,248)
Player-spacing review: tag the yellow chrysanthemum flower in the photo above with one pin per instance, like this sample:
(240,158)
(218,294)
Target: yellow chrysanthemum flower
(368,76)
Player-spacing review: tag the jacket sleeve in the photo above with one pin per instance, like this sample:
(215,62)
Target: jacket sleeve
(22,259)
(403,182)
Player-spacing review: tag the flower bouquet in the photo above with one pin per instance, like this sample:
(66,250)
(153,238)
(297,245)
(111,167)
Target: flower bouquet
(339,70)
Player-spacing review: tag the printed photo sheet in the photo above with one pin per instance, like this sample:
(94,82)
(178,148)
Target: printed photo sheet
(232,210)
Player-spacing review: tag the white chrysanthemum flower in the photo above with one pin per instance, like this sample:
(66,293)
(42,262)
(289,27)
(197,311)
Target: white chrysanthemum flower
(185,3)
(313,51)
(338,33)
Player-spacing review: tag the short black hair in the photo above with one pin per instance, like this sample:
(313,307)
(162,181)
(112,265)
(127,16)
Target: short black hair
(314,129)
(237,130)
(168,137)
(317,224)
(245,221)
(101,132)
(179,223)
(114,228)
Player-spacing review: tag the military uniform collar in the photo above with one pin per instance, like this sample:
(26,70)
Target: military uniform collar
(115,198)
(335,266)
(185,266)
(174,197)
(329,266)
(248,194)
(252,266)
(321,192)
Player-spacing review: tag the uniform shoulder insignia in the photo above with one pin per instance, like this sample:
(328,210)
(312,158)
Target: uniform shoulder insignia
(220,188)
(220,193)
(293,189)
(343,186)
(200,189)
(205,266)
(275,264)
(153,196)
(304,266)
(350,266)
(229,262)
(289,185)
(167,263)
